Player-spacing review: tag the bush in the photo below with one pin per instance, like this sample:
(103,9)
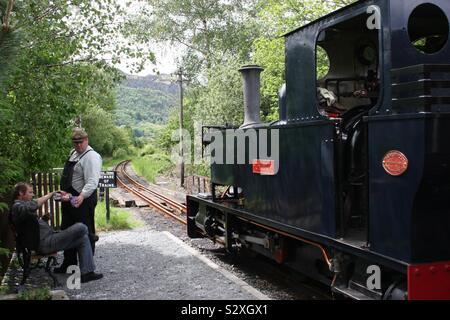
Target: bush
(148,150)
(120,153)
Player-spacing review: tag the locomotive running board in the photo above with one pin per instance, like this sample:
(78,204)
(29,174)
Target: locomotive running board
(351,293)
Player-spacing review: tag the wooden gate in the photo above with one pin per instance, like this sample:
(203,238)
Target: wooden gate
(43,183)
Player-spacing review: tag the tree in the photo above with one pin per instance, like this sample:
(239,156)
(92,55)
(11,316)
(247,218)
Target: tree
(221,101)
(210,30)
(55,63)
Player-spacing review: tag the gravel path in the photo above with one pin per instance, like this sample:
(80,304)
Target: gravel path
(148,264)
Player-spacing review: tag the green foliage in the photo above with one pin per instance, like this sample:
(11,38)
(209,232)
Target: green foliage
(119,219)
(138,105)
(323,63)
(3,251)
(269,53)
(150,166)
(120,153)
(147,131)
(4,289)
(164,137)
(217,38)
(35,294)
(149,149)
(110,162)
(51,71)
(221,101)
(10,171)
(211,31)
(104,136)
(143,105)
(203,169)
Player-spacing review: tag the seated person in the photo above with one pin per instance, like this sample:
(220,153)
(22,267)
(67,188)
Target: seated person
(329,103)
(51,241)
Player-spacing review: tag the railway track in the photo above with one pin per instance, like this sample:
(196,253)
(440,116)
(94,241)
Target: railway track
(155,199)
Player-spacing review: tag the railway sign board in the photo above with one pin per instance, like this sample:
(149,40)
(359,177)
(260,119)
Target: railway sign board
(108,179)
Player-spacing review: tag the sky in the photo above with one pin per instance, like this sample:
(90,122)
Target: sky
(165,61)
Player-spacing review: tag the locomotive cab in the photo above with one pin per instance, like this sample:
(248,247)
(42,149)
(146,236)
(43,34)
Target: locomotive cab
(351,52)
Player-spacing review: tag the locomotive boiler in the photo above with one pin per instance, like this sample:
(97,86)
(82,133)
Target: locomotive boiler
(350,185)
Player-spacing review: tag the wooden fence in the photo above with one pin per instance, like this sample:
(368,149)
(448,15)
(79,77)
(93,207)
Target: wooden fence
(198,184)
(43,183)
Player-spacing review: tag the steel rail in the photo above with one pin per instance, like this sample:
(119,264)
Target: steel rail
(121,168)
(172,203)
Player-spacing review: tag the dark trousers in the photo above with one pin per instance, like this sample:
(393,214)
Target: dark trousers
(74,237)
(84,214)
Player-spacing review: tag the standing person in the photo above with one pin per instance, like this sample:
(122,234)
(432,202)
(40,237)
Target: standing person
(37,233)
(80,178)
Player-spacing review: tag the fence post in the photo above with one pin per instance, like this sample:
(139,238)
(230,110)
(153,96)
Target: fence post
(57,205)
(107,205)
(52,203)
(39,190)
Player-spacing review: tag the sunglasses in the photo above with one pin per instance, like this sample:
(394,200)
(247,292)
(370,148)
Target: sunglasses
(78,142)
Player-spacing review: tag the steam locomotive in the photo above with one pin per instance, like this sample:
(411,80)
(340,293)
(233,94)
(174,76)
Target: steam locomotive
(357,194)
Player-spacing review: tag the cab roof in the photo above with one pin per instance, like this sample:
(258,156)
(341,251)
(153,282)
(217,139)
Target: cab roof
(356,3)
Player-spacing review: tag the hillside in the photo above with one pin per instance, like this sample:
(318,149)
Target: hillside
(143,102)
(160,83)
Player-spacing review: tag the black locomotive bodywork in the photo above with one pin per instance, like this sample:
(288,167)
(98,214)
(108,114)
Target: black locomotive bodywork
(360,188)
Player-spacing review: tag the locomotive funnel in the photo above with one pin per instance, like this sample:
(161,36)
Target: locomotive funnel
(252,99)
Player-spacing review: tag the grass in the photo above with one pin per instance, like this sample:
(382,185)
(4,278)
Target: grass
(150,166)
(147,162)
(111,162)
(35,294)
(119,219)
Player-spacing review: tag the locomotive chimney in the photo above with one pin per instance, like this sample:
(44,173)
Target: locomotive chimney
(252,99)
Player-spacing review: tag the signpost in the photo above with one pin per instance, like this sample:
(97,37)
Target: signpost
(108,179)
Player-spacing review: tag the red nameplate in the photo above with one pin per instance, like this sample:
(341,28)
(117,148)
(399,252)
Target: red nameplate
(264,167)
